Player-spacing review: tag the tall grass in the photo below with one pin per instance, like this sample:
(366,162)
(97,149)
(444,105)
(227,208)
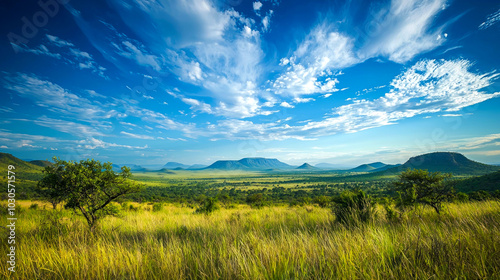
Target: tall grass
(267,243)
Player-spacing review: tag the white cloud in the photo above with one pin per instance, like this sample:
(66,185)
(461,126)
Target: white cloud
(93,143)
(138,54)
(310,68)
(257,5)
(490,20)
(40,50)
(217,50)
(286,105)
(137,136)
(72,128)
(58,41)
(429,86)
(55,98)
(197,105)
(186,22)
(403,31)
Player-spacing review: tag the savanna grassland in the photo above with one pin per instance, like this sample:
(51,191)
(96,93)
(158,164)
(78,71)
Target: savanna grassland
(277,242)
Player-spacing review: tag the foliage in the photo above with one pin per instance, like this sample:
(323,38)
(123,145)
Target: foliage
(157,207)
(256,200)
(86,186)
(323,201)
(353,207)
(208,205)
(419,186)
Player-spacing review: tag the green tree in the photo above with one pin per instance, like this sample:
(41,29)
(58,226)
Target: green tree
(51,187)
(87,186)
(416,186)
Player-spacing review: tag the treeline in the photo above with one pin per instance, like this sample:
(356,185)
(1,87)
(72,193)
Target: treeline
(322,194)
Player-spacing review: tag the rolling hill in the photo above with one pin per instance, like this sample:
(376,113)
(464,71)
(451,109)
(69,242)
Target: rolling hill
(174,165)
(488,182)
(42,163)
(249,164)
(368,167)
(8,159)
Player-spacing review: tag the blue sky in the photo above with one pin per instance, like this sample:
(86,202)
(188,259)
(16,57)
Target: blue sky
(194,81)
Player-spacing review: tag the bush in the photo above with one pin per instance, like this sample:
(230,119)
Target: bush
(461,197)
(207,206)
(322,201)
(157,207)
(256,200)
(353,207)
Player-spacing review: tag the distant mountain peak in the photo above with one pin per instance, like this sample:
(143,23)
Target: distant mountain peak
(447,162)
(254,163)
(306,166)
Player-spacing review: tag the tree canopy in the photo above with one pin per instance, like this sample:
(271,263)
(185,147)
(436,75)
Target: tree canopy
(420,186)
(87,186)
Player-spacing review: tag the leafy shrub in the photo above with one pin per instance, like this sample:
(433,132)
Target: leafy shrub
(353,207)
(207,206)
(157,207)
(323,201)
(461,197)
(480,195)
(256,200)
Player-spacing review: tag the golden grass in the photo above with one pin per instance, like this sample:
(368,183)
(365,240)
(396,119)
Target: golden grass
(268,243)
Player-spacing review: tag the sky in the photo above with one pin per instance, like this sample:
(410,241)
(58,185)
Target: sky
(194,81)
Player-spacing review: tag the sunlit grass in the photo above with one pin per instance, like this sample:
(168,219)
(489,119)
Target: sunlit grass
(267,243)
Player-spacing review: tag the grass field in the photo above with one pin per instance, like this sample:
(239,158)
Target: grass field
(268,243)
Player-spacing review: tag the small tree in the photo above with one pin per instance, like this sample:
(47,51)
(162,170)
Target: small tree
(419,186)
(87,186)
(51,186)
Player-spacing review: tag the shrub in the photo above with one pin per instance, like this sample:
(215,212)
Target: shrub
(323,201)
(157,207)
(461,197)
(207,206)
(353,207)
(256,200)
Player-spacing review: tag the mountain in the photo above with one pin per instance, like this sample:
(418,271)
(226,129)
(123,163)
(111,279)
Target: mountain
(446,162)
(173,165)
(227,165)
(307,166)
(42,163)
(387,166)
(368,167)
(249,164)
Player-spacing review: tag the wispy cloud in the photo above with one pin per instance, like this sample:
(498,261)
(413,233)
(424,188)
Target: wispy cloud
(55,98)
(490,20)
(137,136)
(429,86)
(403,31)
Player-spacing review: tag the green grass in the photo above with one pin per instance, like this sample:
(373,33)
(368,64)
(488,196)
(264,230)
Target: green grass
(268,243)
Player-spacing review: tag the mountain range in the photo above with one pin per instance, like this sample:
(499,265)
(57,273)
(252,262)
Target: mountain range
(447,162)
